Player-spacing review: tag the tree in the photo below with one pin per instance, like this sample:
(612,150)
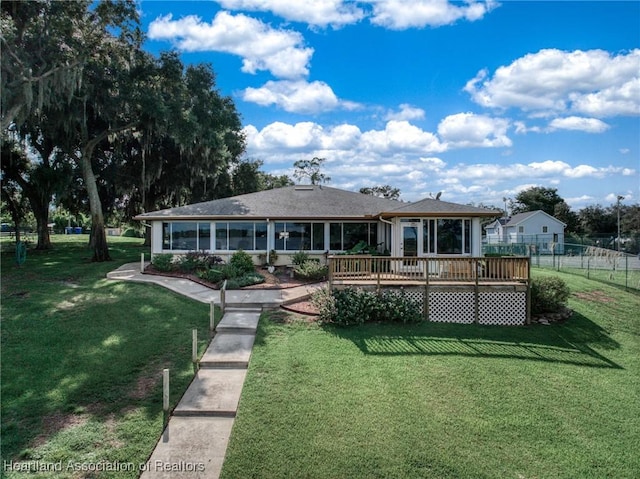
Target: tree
(310,169)
(562,212)
(596,220)
(536,198)
(41,63)
(269,181)
(99,104)
(385,191)
(15,203)
(39,175)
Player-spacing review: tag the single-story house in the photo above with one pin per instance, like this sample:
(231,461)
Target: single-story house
(319,220)
(533,228)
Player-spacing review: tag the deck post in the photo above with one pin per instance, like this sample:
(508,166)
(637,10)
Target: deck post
(528,291)
(426,291)
(476,307)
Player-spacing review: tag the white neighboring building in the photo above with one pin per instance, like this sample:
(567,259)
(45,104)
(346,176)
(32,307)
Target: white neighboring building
(535,228)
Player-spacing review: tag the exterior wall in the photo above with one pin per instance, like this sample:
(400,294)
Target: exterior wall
(389,237)
(530,231)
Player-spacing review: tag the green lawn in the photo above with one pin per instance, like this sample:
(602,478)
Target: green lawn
(446,400)
(82,357)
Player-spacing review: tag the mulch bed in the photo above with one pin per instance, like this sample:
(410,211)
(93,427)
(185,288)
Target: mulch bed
(280,279)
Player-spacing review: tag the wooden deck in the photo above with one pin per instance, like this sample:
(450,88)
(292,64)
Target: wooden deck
(455,289)
(358,269)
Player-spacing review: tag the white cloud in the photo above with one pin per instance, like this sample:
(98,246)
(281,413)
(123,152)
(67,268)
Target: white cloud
(588,125)
(465,130)
(404,156)
(406,112)
(319,13)
(400,14)
(285,138)
(400,136)
(282,52)
(551,81)
(297,96)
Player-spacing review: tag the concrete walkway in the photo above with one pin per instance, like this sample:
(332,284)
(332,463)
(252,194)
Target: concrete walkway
(194,443)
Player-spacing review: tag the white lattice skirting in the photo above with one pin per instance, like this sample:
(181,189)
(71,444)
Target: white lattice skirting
(504,307)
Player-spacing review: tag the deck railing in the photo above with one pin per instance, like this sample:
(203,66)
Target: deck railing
(348,269)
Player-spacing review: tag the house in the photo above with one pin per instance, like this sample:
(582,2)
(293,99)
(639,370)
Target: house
(533,228)
(433,248)
(319,220)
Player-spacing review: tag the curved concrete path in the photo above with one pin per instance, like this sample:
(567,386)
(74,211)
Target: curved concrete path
(194,442)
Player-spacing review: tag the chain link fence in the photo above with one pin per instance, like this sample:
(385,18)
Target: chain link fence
(593,262)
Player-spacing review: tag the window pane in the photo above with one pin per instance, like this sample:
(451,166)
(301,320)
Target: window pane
(318,236)
(335,236)
(261,236)
(299,236)
(240,236)
(432,236)
(204,236)
(221,236)
(278,240)
(353,233)
(184,236)
(467,236)
(166,235)
(449,236)
(373,234)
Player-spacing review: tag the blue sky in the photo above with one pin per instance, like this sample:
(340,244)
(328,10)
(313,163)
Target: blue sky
(476,99)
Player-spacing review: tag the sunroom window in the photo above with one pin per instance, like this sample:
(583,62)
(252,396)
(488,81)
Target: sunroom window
(293,236)
(344,236)
(236,235)
(186,236)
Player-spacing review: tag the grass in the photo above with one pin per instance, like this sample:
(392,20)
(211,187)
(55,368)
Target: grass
(446,400)
(82,358)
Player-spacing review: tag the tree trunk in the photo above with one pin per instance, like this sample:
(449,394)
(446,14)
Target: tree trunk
(42,225)
(98,233)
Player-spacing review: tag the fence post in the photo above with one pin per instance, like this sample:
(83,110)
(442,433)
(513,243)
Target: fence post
(212,317)
(194,347)
(223,296)
(165,394)
(142,262)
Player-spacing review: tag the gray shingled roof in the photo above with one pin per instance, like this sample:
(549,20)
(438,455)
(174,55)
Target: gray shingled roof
(306,201)
(435,207)
(521,217)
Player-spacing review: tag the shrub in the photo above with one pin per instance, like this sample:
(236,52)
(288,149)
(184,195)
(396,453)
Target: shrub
(325,303)
(548,294)
(195,261)
(299,258)
(220,273)
(311,270)
(163,262)
(245,280)
(242,261)
(356,306)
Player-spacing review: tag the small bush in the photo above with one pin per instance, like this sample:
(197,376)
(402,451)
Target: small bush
(163,262)
(195,261)
(548,294)
(356,306)
(299,258)
(242,261)
(245,280)
(310,270)
(325,303)
(220,273)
